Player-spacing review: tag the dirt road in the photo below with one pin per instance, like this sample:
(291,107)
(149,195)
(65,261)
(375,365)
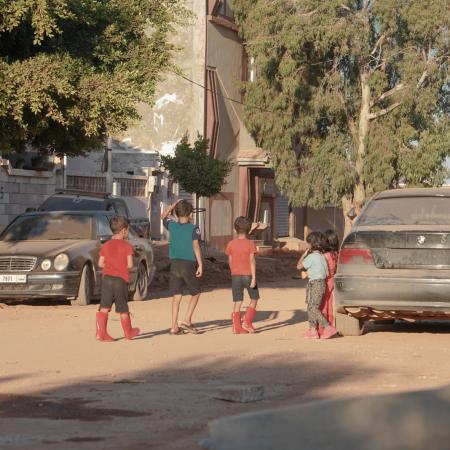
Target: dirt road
(60,389)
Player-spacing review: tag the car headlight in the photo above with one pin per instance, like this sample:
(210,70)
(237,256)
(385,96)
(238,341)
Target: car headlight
(61,262)
(46,264)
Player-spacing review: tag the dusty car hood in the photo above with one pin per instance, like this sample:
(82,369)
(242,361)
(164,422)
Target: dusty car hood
(40,248)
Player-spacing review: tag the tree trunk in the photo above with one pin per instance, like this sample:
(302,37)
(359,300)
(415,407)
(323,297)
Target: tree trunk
(359,191)
(197,210)
(347,205)
(358,197)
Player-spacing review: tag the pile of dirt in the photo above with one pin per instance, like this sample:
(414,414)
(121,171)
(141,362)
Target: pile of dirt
(278,264)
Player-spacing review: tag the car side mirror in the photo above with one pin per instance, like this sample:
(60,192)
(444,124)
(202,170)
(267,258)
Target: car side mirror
(352,214)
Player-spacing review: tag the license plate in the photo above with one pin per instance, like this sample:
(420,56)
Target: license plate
(13,278)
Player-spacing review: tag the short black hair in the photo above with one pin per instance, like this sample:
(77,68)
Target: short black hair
(316,240)
(242,225)
(118,223)
(183,209)
(331,241)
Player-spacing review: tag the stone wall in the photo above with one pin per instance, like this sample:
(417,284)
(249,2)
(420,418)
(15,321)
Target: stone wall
(21,189)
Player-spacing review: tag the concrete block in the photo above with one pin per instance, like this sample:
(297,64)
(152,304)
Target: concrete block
(12,188)
(14,209)
(240,394)
(4,199)
(404,421)
(33,188)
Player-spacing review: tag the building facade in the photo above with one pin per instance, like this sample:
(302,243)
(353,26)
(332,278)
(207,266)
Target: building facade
(204,97)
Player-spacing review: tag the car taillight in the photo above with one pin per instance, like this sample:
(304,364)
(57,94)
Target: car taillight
(355,253)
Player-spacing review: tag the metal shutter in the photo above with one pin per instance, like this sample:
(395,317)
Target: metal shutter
(281,217)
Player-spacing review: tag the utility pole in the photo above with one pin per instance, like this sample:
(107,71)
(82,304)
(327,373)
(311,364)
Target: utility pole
(109,179)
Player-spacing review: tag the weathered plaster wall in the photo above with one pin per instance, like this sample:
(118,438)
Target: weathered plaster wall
(179,104)
(22,189)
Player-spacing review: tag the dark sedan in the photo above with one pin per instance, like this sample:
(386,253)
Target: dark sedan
(55,255)
(395,262)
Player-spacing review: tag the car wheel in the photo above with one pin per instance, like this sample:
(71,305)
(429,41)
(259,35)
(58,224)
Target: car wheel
(141,283)
(348,325)
(86,287)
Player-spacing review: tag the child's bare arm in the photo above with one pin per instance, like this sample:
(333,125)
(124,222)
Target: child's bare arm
(198,257)
(169,210)
(253,269)
(300,265)
(130,261)
(229,261)
(101,262)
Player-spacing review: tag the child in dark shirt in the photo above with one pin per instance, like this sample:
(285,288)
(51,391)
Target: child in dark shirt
(116,257)
(241,258)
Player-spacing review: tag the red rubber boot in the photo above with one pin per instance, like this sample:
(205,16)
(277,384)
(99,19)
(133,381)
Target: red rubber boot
(247,323)
(237,327)
(101,323)
(128,330)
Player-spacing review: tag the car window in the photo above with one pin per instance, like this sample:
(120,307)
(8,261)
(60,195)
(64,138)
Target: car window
(49,227)
(407,211)
(64,203)
(121,209)
(103,227)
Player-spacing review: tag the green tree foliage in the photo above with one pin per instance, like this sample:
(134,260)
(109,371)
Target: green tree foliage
(359,92)
(194,170)
(72,71)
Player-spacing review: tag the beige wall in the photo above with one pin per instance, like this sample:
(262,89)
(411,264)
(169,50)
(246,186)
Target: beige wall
(179,104)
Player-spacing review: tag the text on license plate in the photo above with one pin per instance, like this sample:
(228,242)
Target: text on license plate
(13,278)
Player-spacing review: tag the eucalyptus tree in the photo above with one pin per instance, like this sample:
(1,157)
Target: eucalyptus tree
(72,71)
(350,96)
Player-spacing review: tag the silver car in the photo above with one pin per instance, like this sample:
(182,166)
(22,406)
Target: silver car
(395,262)
(55,255)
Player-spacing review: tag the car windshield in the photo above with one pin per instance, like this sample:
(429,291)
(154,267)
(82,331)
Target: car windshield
(407,211)
(71,204)
(49,227)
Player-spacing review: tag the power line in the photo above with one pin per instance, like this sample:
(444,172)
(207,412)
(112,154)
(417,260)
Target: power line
(225,97)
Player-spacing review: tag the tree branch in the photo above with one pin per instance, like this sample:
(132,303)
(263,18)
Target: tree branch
(385,111)
(387,94)
(422,79)
(378,43)
(310,13)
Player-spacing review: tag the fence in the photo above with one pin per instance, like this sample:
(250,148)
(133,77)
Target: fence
(129,187)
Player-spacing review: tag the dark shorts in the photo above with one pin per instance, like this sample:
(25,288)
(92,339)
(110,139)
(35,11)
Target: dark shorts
(182,274)
(114,290)
(241,282)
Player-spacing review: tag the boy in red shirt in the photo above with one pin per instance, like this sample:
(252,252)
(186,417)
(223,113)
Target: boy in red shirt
(116,257)
(241,258)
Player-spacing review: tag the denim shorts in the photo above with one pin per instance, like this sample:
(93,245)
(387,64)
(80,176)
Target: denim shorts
(241,282)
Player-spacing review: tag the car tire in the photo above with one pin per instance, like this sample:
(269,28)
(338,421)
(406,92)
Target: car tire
(141,283)
(348,325)
(85,290)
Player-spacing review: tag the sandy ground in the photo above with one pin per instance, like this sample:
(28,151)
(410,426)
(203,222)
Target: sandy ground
(61,389)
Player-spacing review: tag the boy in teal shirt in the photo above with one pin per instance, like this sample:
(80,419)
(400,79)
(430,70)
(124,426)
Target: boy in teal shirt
(186,265)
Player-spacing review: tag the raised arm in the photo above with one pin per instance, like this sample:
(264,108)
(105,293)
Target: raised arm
(169,210)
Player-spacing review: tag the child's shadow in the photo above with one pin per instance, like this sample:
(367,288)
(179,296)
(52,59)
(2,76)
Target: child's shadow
(264,321)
